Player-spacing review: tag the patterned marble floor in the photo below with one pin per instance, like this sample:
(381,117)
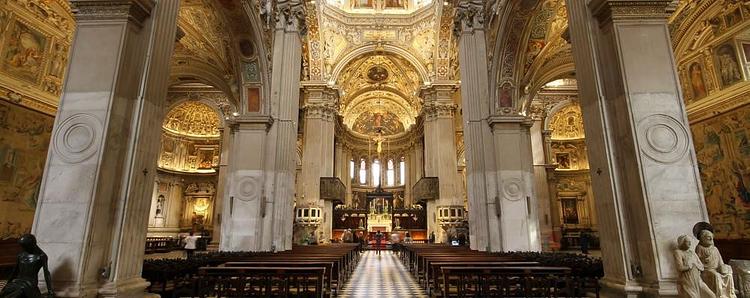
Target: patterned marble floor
(381,276)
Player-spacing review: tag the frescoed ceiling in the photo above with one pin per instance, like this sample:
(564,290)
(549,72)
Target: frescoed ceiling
(193,119)
(380,91)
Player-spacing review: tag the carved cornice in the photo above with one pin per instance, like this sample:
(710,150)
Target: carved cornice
(135,11)
(248,122)
(469,16)
(27,101)
(609,10)
(290,16)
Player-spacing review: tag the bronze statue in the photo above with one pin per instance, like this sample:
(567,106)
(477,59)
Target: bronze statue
(23,280)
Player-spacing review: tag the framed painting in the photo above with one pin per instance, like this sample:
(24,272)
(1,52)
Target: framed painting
(569,210)
(23,53)
(728,68)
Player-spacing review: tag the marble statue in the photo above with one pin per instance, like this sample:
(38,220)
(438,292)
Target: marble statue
(689,265)
(24,280)
(717,275)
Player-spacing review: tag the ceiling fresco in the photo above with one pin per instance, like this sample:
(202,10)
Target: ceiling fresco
(378,123)
(374,84)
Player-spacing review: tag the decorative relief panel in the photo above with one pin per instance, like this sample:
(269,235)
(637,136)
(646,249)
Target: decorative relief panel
(35,40)
(77,138)
(567,123)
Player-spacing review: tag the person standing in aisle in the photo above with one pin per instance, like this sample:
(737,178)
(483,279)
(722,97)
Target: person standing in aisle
(190,244)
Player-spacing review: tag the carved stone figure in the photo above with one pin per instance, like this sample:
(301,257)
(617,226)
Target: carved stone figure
(717,275)
(23,281)
(690,283)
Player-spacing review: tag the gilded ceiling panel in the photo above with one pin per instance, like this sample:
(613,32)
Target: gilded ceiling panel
(193,119)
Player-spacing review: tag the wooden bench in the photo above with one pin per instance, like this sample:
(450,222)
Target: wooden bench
(332,281)
(498,281)
(261,282)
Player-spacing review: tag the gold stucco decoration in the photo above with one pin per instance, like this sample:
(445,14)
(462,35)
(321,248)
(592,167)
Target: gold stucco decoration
(193,119)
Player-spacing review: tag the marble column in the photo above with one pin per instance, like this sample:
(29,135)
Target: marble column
(643,166)
(318,151)
(92,213)
(221,187)
(440,159)
(245,208)
(282,145)
(478,140)
(518,214)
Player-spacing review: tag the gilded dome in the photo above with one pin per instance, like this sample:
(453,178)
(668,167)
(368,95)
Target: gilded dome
(194,119)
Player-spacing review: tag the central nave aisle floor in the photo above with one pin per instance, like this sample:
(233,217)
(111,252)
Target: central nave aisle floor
(381,276)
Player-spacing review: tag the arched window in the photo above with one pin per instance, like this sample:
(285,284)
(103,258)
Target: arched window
(362,172)
(376,172)
(390,175)
(402,171)
(351,169)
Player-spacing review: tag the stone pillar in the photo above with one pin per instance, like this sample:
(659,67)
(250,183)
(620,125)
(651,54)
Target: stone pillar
(644,171)
(478,140)
(541,181)
(318,151)
(440,152)
(285,95)
(518,203)
(92,213)
(243,221)
(221,189)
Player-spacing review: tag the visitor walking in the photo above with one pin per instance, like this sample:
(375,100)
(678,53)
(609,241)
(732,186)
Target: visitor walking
(378,240)
(191,242)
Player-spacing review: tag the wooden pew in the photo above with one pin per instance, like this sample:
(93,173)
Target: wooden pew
(332,280)
(261,282)
(505,282)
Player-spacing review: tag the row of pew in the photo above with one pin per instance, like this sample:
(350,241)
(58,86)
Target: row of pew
(304,271)
(448,271)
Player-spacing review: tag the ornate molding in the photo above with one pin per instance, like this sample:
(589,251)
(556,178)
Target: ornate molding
(609,10)
(135,11)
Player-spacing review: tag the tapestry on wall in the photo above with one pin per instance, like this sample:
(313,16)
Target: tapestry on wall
(24,138)
(723,149)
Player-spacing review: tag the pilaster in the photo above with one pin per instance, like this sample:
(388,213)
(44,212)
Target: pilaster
(245,206)
(480,159)
(91,217)
(440,152)
(645,175)
(517,212)
(285,94)
(318,152)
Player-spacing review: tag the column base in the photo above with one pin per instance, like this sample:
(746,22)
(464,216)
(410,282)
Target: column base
(616,288)
(71,289)
(135,287)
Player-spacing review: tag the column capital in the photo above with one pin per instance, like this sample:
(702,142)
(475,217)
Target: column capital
(433,110)
(290,16)
(135,11)
(469,17)
(325,111)
(609,10)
